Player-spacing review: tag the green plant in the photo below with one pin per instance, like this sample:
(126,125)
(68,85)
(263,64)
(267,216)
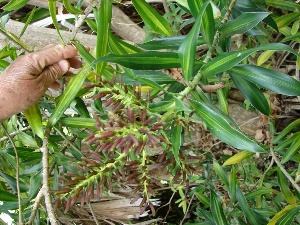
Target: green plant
(135,135)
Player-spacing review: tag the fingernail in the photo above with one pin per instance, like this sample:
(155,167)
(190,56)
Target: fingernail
(64,65)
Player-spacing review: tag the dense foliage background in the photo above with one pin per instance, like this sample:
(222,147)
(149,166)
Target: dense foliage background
(145,132)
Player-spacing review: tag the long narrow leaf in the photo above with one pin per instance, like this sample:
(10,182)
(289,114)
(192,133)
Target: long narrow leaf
(219,126)
(70,8)
(14,4)
(34,118)
(52,10)
(208,23)
(293,149)
(187,49)
(247,211)
(280,214)
(242,23)
(237,158)
(226,61)
(216,208)
(69,94)
(7,196)
(287,219)
(176,141)
(285,189)
(144,60)
(103,19)
(118,46)
(252,93)
(152,18)
(271,80)
(172,43)
(287,130)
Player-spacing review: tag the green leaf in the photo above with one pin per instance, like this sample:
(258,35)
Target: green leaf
(293,149)
(69,94)
(80,107)
(282,213)
(26,154)
(221,173)
(144,60)
(15,38)
(11,181)
(34,118)
(264,57)
(225,61)
(83,52)
(35,185)
(233,182)
(242,24)
(219,126)
(247,211)
(208,23)
(237,158)
(260,191)
(285,20)
(156,76)
(269,79)
(187,49)
(151,83)
(172,43)
(152,18)
(252,93)
(7,196)
(52,10)
(120,47)
(27,140)
(87,123)
(161,106)
(176,141)
(103,19)
(288,218)
(14,5)
(284,187)
(216,208)
(287,130)
(70,8)
(283,4)
(28,21)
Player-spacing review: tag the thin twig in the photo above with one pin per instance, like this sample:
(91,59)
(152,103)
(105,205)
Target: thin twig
(64,137)
(17,174)
(14,133)
(35,206)
(45,187)
(93,213)
(287,175)
(187,210)
(166,6)
(81,18)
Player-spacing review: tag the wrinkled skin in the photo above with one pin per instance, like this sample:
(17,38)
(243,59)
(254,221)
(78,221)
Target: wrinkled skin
(24,82)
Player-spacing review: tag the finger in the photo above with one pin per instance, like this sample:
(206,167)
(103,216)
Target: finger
(75,62)
(51,55)
(53,72)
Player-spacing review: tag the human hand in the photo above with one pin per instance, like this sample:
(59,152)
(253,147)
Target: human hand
(24,82)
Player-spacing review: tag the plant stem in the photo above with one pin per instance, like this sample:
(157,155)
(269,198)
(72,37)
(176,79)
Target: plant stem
(14,133)
(35,207)
(287,175)
(93,213)
(46,185)
(81,18)
(17,174)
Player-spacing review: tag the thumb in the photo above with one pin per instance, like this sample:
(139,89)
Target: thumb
(55,71)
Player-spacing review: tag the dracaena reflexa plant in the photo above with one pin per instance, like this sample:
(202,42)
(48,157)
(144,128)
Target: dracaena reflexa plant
(141,107)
